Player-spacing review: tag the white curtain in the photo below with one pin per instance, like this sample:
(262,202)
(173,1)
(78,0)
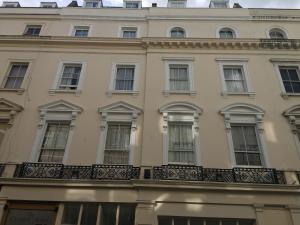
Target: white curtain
(181,144)
(16,76)
(124,78)
(117,144)
(246,145)
(54,142)
(179,79)
(234,80)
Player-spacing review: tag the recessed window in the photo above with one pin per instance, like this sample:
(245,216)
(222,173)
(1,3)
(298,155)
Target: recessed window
(117,143)
(179,77)
(277,34)
(16,75)
(246,145)
(54,142)
(92,4)
(132,5)
(290,78)
(220,5)
(33,30)
(70,76)
(235,79)
(181,144)
(174,220)
(227,33)
(124,80)
(177,3)
(129,32)
(177,32)
(81,31)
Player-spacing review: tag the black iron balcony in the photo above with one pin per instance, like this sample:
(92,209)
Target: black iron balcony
(60,171)
(280,43)
(235,175)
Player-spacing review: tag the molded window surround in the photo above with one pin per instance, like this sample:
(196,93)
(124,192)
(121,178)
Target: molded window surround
(10,64)
(227,32)
(118,113)
(241,114)
(180,113)
(293,116)
(58,111)
(56,86)
(81,31)
(287,63)
(112,86)
(242,66)
(8,112)
(184,63)
(277,33)
(177,32)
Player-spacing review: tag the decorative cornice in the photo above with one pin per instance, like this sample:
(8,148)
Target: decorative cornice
(152,42)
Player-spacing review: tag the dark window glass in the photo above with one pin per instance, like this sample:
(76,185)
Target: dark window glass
(108,215)
(127,213)
(71,213)
(33,30)
(89,214)
(180,221)
(291,79)
(16,75)
(212,221)
(164,220)
(30,217)
(196,221)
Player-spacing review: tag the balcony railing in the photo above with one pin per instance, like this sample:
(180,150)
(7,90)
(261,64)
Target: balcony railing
(60,171)
(280,43)
(165,172)
(235,175)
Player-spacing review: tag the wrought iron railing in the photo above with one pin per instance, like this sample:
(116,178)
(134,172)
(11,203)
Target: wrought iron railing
(235,175)
(60,171)
(280,43)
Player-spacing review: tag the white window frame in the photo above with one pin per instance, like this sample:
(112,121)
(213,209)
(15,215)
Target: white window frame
(293,116)
(55,85)
(178,61)
(277,63)
(99,4)
(9,64)
(181,112)
(282,29)
(48,5)
(123,113)
(234,30)
(212,4)
(243,64)
(55,111)
(245,114)
(138,2)
(128,28)
(171,2)
(74,28)
(134,91)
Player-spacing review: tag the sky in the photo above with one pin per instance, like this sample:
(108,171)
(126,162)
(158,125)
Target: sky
(191,3)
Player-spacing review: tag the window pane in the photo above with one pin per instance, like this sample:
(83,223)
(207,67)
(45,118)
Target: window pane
(181,144)
(89,214)
(30,217)
(54,142)
(71,213)
(229,222)
(179,78)
(246,222)
(33,30)
(108,214)
(284,74)
(165,220)
(296,87)
(16,75)
(288,87)
(241,158)
(196,221)
(293,73)
(70,77)
(234,79)
(177,32)
(127,213)
(81,32)
(180,221)
(124,78)
(212,221)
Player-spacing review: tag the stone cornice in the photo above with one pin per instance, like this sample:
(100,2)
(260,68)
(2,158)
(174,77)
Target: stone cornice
(161,43)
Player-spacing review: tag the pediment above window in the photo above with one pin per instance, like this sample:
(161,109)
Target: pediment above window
(180,107)
(60,106)
(293,111)
(120,107)
(242,109)
(6,105)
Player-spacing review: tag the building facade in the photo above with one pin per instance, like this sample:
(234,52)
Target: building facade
(149,116)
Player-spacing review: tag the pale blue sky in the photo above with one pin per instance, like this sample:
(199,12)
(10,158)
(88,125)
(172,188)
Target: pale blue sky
(191,3)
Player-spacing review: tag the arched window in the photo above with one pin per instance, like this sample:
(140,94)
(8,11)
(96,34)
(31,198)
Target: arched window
(177,32)
(227,33)
(277,34)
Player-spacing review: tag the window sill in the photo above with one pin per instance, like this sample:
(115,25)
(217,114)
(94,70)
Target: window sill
(249,94)
(168,92)
(18,91)
(287,95)
(114,92)
(54,91)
